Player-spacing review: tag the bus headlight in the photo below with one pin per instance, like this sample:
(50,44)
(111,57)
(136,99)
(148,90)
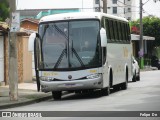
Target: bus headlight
(93,76)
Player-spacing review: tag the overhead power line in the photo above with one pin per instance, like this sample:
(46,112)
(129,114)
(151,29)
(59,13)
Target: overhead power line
(126,4)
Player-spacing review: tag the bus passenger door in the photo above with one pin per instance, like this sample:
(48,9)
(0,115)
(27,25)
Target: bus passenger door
(105,67)
(104,57)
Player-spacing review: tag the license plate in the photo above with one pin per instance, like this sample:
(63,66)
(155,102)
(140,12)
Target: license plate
(70,85)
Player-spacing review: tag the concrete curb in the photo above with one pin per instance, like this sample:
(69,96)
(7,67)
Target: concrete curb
(23,103)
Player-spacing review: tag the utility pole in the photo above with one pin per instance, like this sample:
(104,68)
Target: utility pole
(99,5)
(82,5)
(105,6)
(13,72)
(141,52)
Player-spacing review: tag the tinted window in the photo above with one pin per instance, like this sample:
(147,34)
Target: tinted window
(115,30)
(111,29)
(119,30)
(107,29)
(123,31)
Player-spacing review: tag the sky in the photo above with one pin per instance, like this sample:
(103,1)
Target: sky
(150,7)
(45,4)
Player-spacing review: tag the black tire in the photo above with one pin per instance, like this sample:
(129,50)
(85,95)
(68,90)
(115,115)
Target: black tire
(56,95)
(116,87)
(138,78)
(134,77)
(124,85)
(105,91)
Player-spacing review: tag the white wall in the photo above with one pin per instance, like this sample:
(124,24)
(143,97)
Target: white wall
(1,59)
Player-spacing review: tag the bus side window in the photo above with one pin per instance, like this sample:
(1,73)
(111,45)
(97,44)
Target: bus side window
(103,22)
(111,30)
(115,31)
(128,31)
(119,31)
(107,29)
(123,32)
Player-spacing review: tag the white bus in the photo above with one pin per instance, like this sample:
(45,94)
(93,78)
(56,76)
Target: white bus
(81,51)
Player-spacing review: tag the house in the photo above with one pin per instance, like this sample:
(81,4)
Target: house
(3,37)
(24,57)
(30,24)
(147,44)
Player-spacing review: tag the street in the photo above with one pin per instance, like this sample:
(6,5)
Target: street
(143,95)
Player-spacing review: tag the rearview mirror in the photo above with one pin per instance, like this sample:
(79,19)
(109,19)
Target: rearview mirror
(32,37)
(103,37)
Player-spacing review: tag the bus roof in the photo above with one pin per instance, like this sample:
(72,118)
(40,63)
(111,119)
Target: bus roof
(79,15)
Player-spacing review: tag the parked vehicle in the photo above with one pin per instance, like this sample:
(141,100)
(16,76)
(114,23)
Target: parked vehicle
(155,62)
(136,70)
(62,63)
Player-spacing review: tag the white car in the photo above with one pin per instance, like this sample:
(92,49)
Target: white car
(135,70)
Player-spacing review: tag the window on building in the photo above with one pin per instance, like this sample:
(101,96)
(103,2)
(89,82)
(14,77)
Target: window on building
(114,1)
(129,9)
(96,1)
(97,9)
(129,18)
(114,10)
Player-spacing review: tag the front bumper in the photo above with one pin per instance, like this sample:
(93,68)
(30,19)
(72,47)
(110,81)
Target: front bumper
(47,86)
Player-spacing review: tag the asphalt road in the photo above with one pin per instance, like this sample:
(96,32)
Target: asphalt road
(143,95)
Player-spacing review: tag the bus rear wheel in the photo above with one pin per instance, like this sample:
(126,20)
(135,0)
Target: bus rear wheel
(56,95)
(124,85)
(134,77)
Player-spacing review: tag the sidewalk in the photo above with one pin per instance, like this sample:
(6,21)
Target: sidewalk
(27,94)
(148,68)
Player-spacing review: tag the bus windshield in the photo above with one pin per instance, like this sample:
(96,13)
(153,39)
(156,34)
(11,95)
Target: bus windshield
(68,45)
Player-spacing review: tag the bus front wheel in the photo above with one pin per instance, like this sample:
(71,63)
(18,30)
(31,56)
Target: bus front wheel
(56,95)
(105,91)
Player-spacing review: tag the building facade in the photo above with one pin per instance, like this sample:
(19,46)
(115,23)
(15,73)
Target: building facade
(121,8)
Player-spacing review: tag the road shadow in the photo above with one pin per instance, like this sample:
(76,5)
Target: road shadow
(86,95)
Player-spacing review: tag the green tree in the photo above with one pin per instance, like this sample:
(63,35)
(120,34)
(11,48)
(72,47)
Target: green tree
(4,10)
(151,27)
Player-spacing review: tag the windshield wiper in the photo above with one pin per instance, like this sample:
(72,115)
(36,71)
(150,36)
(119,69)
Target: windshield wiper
(60,58)
(79,59)
(76,54)
(60,31)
